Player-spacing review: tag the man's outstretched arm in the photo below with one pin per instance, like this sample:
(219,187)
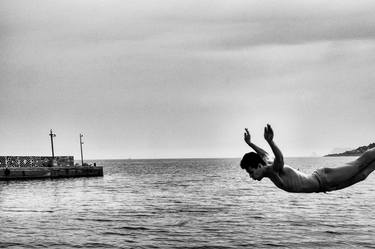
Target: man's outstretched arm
(257,149)
(278,163)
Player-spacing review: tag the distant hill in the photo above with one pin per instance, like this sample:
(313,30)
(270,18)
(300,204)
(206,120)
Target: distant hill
(355,152)
(340,150)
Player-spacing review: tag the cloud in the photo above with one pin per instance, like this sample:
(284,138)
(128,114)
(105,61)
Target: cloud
(254,23)
(145,70)
(191,24)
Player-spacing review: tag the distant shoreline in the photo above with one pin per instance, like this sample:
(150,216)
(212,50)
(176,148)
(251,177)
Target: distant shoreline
(356,152)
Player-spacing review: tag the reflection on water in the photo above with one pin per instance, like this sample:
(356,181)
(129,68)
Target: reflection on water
(185,203)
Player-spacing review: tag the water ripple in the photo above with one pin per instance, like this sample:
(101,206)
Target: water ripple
(188,203)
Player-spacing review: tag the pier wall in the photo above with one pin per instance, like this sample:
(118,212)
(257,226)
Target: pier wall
(35,161)
(37,167)
(27,173)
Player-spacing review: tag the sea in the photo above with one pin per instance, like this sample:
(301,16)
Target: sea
(184,203)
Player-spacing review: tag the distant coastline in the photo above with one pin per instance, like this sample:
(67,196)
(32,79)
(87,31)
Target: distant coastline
(355,152)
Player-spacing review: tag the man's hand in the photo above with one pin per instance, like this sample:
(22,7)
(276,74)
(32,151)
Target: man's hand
(247,136)
(262,153)
(268,133)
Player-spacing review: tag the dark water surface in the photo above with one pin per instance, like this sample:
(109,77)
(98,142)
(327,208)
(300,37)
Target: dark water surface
(184,203)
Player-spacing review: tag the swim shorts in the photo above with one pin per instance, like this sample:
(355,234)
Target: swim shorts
(321,176)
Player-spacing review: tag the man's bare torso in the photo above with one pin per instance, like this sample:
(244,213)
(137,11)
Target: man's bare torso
(292,180)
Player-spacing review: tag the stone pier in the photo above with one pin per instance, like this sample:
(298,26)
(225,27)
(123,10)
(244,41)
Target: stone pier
(33,167)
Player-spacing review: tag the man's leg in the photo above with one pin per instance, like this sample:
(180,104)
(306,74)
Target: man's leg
(366,158)
(362,175)
(339,175)
(352,170)
(336,176)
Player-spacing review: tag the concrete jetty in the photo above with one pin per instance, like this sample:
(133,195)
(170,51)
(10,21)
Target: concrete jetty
(34,167)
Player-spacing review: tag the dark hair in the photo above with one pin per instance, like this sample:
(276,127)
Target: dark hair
(251,159)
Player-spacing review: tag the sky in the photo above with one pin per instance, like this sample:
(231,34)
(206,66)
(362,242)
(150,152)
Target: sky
(177,79)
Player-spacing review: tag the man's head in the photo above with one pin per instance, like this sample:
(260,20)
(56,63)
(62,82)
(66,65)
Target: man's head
(254,165)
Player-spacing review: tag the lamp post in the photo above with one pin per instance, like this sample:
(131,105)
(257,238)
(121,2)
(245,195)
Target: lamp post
(52,136)
(80,143)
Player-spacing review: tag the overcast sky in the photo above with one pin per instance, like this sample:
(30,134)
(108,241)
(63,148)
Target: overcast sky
(182,78)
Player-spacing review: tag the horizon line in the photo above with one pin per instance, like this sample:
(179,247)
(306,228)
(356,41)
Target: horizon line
(171,158)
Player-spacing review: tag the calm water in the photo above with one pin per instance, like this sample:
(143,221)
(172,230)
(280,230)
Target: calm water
(191,203)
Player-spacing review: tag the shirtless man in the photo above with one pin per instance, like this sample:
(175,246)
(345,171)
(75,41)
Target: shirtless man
(292,180)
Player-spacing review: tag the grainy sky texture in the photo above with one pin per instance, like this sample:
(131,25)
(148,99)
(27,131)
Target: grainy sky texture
(157,79)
